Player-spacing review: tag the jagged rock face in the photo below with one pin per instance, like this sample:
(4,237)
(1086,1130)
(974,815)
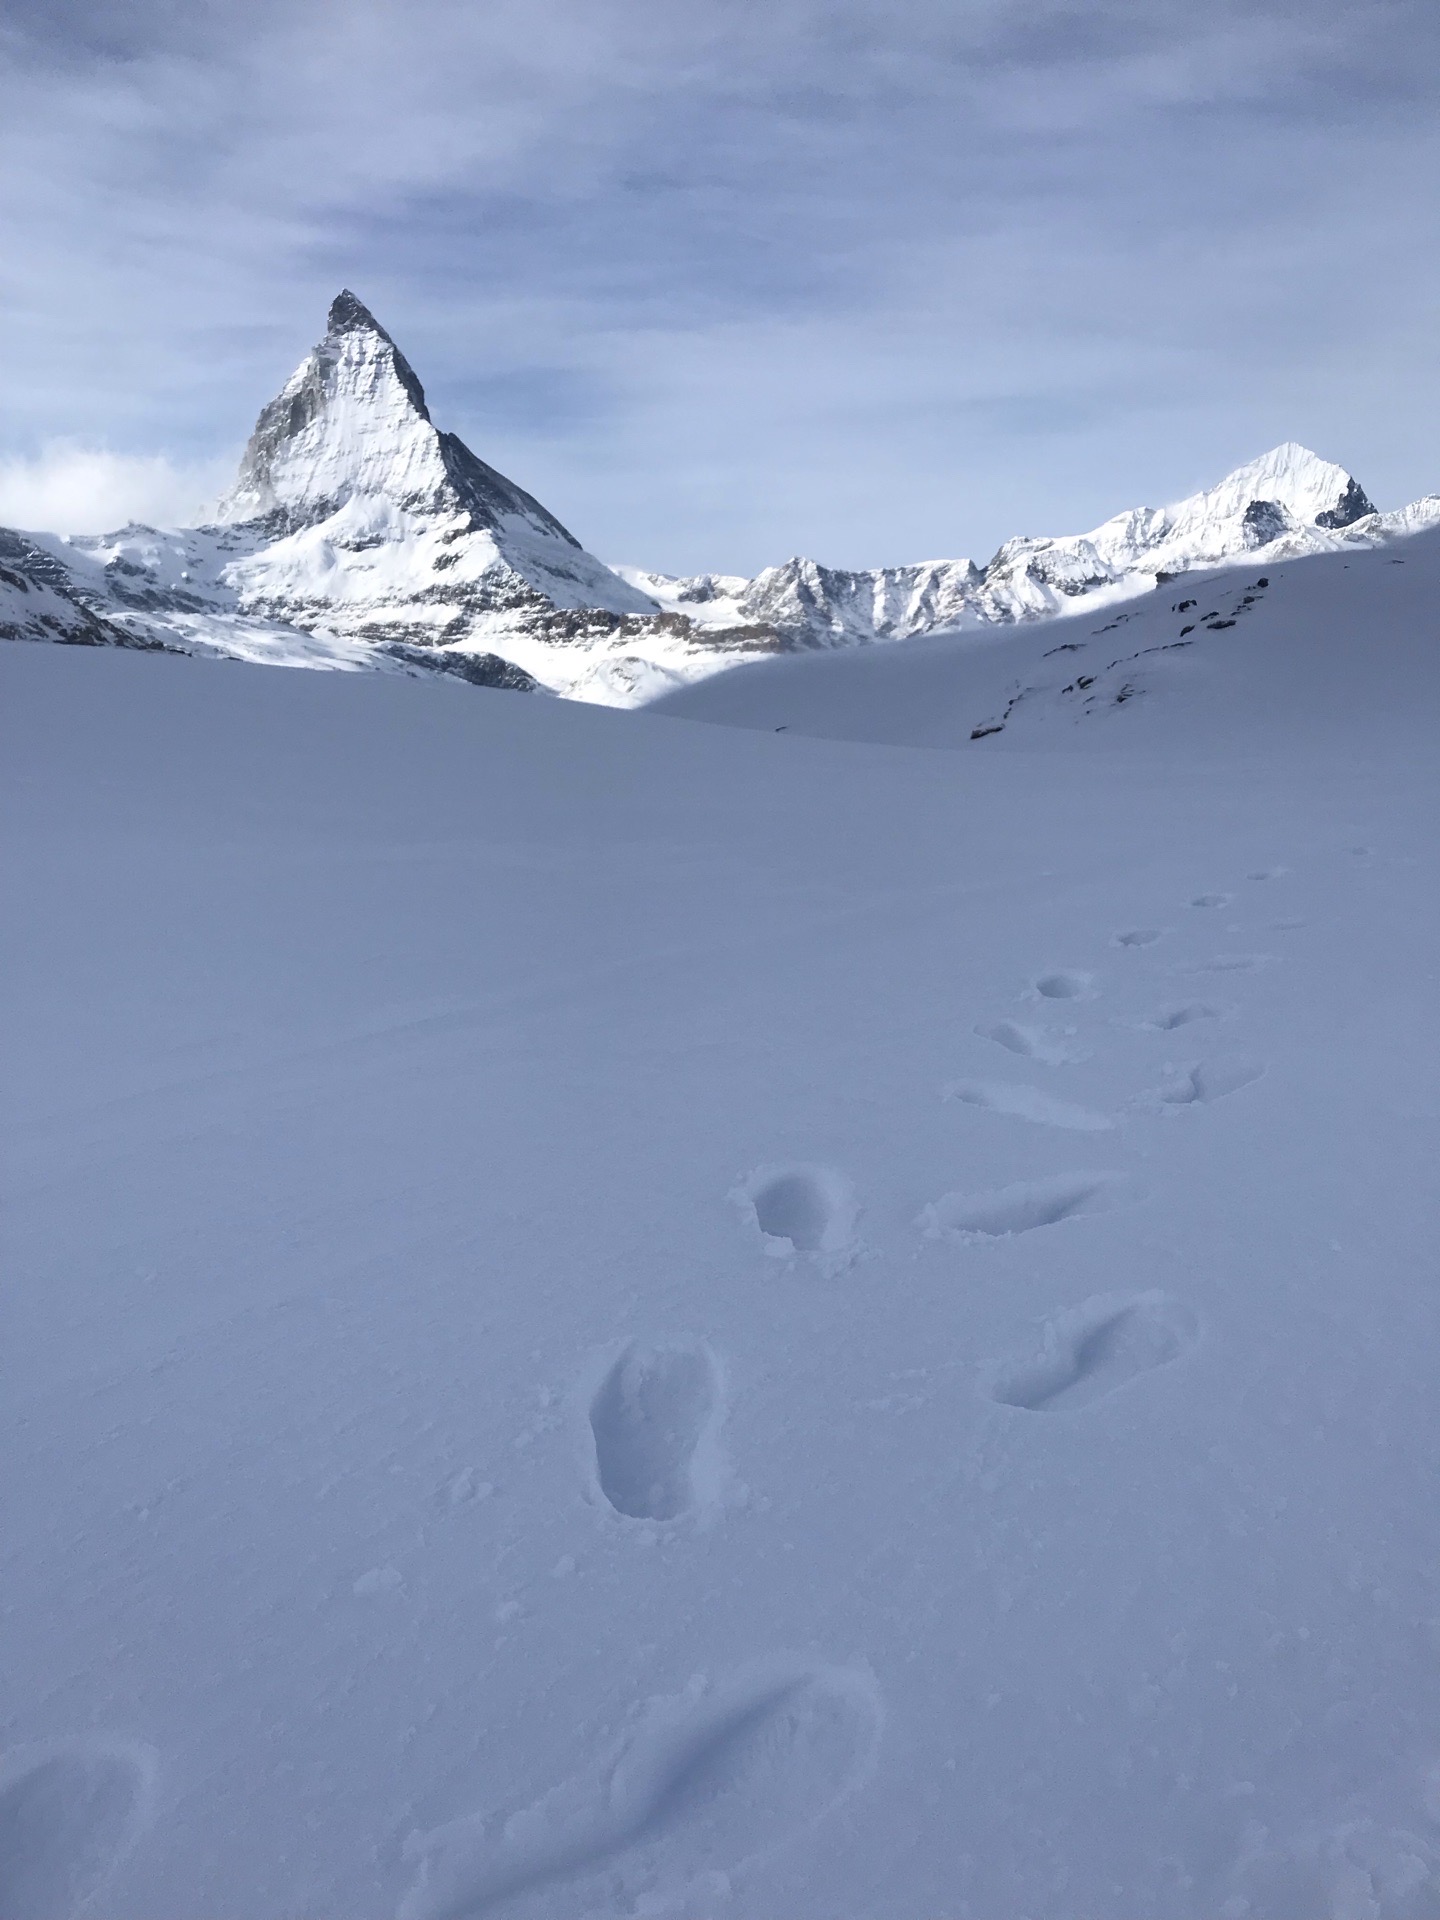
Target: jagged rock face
(38,601)
(1264,521)
(810,605)
(350,419)
(359,535)
(1354,504)
(477,669)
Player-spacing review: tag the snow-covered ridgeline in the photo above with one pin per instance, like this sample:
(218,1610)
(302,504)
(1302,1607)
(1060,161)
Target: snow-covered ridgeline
(358,535)
(1284,505)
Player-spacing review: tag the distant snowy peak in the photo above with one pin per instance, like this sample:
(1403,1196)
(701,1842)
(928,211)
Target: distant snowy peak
(357,534)
(801,603)
(1285,491)
(1288,502)
(346,452)
(351,421)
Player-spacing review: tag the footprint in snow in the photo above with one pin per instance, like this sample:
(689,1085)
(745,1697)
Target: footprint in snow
(68,1816)
(1139,937)
(799,1209)
(1169,1018)
(1212,900)
(1019,1208)
(1378,1863)
(464,1487)
(1232,963)
(655,1422)
(1033,1043)
(702,1785)
(1095,1348)
(1208,1080)
(1065,985)
(1027,1103)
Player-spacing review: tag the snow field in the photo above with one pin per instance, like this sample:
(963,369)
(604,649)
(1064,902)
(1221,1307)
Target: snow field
(443,1486)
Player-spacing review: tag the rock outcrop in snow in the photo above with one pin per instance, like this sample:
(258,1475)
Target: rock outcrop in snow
(38,602)
(359,535)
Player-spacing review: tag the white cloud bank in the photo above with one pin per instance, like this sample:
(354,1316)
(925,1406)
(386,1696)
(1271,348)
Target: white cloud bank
(71,488)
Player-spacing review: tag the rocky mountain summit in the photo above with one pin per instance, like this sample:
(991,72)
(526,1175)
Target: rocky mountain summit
(359,535)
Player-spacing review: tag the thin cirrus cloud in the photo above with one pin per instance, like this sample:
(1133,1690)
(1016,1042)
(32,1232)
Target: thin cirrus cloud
(721,282)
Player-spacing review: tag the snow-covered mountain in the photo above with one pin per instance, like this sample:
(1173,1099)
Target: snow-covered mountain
(356,534)
(360,535)
(366,506)
(1287,503)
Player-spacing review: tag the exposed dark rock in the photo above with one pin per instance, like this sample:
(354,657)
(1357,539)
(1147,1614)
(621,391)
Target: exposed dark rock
(1264,521)
(1352,505)
(479,669)
(41,603)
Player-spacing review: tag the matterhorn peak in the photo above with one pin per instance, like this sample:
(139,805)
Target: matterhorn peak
(350,428)
(350,492)
(350,420)
(348,312)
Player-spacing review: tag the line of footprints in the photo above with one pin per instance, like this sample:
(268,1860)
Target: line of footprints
(701,1783)
(1089,1350)
(656,1413)
(712,1780)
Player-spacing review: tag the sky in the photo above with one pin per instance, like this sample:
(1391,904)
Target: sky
(723,282)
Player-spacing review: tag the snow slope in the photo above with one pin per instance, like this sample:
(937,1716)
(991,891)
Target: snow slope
(613,1316)
(1238,651)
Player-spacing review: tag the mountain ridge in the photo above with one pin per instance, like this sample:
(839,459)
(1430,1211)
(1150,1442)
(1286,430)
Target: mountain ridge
(360,535)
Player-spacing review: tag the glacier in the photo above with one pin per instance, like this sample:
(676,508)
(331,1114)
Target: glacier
(360,536)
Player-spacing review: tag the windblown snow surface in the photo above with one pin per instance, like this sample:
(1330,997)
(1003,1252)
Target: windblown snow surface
(609,1315)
